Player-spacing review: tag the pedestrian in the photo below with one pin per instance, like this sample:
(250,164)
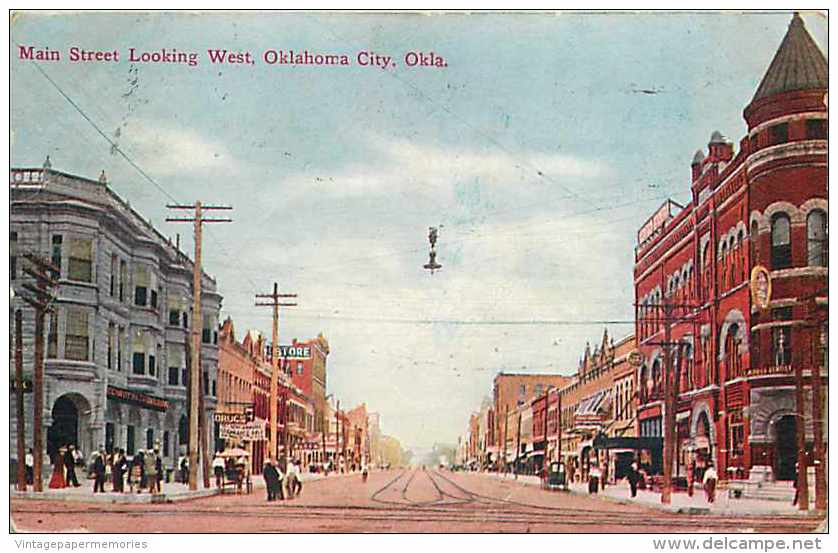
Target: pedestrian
(594,477)
(271,477)
(70,466)
(29,462)
(98,472)
(710,479)
(150,467)
(57,481)
(118,470)
(158,465)
(604,479)
(690,477)
(291,479)
(183,465)
(633,476)
(280,482)
(218,470)
(135,476)
(298,477)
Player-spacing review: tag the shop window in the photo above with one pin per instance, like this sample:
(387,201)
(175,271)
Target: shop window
(816,239)
(780,241)
(130,438)
(12,255)
(737,433)
(57,245)
(817,129)
(779,133)
(80,261)
(76,339)
(109,437)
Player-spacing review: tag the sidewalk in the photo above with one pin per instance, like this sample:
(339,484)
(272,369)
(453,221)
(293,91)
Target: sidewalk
(681,502)
(170,491)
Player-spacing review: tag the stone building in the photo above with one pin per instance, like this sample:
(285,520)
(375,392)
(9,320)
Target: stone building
(115,354)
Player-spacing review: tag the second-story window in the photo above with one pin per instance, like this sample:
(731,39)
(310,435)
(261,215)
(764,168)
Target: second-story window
(114,273)
(80,260)
(55,257)
(816,129)
(780,241)
(816,239)
(138,354)
(123,279)
(141,281)
(76,339)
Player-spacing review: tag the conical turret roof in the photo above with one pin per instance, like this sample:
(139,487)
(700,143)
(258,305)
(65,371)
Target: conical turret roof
(798,64)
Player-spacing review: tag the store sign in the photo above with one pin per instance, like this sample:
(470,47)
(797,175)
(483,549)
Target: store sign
(761,287)
(137,398)
(657,220)
(239,418)
(248,431)
(290,352)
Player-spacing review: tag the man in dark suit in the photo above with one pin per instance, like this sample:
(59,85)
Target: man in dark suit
(70,466)
(99,473)
(271,476)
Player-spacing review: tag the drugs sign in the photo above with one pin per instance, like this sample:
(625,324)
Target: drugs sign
(238,418)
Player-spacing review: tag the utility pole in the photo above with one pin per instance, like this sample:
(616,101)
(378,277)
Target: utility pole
(337,437)
(197,324)
(802,466)
(671,384)
(518,445)
(819,338)
(20,411)
(275,303)
(45,274)
(559,427)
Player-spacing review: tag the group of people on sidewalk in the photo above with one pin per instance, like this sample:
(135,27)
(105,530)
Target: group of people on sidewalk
(282,483)
(142,471)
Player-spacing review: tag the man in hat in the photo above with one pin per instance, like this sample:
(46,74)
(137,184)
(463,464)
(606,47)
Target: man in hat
(271,476)
(99,472)
(70,466)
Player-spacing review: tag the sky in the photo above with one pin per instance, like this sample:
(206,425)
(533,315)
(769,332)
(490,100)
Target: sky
(539,150)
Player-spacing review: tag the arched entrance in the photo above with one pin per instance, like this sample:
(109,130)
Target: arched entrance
(68,415)
(785,448)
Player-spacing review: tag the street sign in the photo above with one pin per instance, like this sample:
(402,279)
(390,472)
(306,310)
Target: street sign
(761,287)
(635,358)
(236,418)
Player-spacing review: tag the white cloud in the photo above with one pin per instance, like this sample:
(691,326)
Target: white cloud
(166,150)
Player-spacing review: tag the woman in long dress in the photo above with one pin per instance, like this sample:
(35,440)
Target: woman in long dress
(57,480)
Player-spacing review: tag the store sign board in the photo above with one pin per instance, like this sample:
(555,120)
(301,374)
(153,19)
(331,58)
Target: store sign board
(249,431)
(137,398)
(296,352)
(657,220)
(239,418)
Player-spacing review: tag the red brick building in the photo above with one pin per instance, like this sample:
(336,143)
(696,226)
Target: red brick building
(764,204)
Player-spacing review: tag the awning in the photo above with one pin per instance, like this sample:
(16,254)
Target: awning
(623,442)
(592,405)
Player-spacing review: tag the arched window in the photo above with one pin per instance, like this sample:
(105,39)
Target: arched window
(656,378)
(754,240)
(780,241)
(644,384)
(816,238)
(740,256)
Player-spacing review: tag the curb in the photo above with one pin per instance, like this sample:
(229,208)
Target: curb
(684,510)
(110,497)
